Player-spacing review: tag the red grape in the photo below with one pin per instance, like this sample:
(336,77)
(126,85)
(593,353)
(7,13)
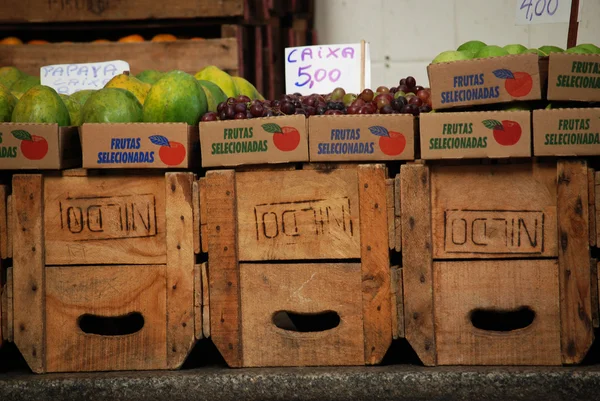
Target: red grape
(382,101)
(287,108)
(210,116)
(383,89)
(231,100)
(240,107)
(353,109)
(240,116)
(257,110)
(243,99)
(230,111)
(423,95)
(372,107)
(221,106)
(387,109)
(364,110)
(411,82)
(367,95)
(416,101)
(359,102)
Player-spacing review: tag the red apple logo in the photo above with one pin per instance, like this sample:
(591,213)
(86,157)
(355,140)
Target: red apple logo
(171,153)
(518,84)
(506,133)
(391,143)
(33,147)
(285,139)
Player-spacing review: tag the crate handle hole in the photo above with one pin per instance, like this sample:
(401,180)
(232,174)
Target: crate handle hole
(111,325)
(306,322)
(502,320)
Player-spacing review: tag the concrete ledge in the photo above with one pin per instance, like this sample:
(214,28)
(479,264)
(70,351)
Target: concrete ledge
(399,382)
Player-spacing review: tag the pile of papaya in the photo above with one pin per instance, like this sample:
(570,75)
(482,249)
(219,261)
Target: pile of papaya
(150,96)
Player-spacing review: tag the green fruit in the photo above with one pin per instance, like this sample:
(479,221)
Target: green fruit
(214,94)
(149,76)
(132,84)
(451,55)
(24,84)
(9,75)
(244,87)
(176,97)
(82,96)
(41,104)
(593,48)
(7,104)
(551,49)
(219,77)
(491,51)
(536,51)
(74,108)
(579,50)
(517,106)
(515,49)
(472,46)
(112,105)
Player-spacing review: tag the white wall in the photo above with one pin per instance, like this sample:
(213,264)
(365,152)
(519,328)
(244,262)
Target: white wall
(405,35)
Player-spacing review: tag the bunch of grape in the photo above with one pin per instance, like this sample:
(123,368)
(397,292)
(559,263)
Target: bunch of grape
(240,108)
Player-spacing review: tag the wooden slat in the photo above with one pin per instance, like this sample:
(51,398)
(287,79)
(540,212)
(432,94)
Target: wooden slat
(29,272)
(417,260)
(9,311)
(75,172)
(375,261)
(196,214)
(205,301)
(10,226)
(397,214)
(594,296)
(65,11)
(180,267)
(597,204)
(203,216)
(389,202)
(592,205)
(3,222)
(574,261)
(397,303)
(198,302)
(185,55)
(223,264)
(3,306)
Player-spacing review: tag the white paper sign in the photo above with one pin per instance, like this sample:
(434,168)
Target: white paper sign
(70,78)
(321,69)
(542,11)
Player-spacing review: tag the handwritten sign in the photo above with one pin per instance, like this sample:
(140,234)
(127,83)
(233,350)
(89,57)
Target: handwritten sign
(70,78)
(542,11)
(321,69)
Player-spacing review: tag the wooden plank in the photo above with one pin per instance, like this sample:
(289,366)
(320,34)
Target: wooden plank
(597,204)
(198,302)
(104,292)
(397,213)
(205,301)
(494,211)
(574,261)
(304,215)
(3,222)
(75,172)
(308,289)
(29,273)
(375,261)
(397,303)
(196,216)
(224,281)
(185,55)
(9,310)
(180,267)
(10,226)
(105,220)
(417,260)
(594,295)
(592,205)
(64,11)
(389,201)
(3,306)
(203,216)
(464,287)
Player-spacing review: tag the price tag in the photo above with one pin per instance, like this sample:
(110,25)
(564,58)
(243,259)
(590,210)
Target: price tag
(542,11)
(70,78)
(321,69)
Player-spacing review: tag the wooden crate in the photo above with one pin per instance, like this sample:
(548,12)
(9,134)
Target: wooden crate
(285,244)
(496,262)
(104,270)
(16,11)
(5,274)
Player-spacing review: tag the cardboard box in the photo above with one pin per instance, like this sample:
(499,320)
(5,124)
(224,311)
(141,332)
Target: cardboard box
(487,80)
(361,137)
(566,132)
(471,135)
(574,77)
(139,145)
(254,141)
(26,146)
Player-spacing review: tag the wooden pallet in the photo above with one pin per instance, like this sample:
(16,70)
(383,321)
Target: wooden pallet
(481,245)
(285,244)
(104,274)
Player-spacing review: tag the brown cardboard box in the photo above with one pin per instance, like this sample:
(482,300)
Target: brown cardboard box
(566,132)
(139,145)
(254,141)
(361,137)
(38,146)
(470,135)
(487,80)
(574,77)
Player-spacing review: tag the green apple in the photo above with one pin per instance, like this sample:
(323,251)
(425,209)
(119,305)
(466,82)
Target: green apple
(491,51)
(515,49)
(590,47)
(551,49)
(451,55)
(579,50)
(472,46)
(536,51)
